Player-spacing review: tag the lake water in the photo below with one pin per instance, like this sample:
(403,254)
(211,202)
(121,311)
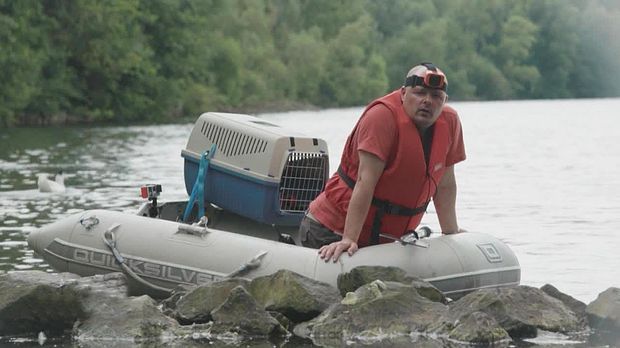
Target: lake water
(543,176)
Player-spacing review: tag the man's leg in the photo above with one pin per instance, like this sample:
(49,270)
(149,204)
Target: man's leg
(314,235)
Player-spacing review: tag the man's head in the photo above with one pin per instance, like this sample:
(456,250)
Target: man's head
(424,94)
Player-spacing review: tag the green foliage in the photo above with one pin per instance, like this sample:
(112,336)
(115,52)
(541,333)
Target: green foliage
(349,54)
(305,56)
(162,60)
(598,72)
(555,52)
(22,55)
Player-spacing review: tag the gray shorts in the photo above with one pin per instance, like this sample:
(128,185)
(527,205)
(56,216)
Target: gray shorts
(314,235)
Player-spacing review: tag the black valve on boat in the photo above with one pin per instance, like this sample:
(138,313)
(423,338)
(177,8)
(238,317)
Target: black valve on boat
(151,192)
(412,237)
(424,232)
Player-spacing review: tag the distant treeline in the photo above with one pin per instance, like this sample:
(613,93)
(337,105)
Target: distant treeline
(130,61)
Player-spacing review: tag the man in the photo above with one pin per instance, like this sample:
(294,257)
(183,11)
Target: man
(401,153)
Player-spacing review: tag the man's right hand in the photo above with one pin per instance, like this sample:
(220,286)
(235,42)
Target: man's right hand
(334,250)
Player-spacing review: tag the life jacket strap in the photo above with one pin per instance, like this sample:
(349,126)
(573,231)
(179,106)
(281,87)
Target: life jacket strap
(383,207)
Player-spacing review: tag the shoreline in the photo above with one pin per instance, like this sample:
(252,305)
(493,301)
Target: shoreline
(63,119)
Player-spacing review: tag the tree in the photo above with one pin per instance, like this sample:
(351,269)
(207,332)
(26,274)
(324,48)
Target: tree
(331,16)
(513,54)
(305,57)
(22,56)
(555,50)
(348,81)
(597,68)
(110,56)
(413,46)
(159,60)
(393,17)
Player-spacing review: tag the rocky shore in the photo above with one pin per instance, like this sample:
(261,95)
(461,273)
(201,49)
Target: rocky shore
(371,306)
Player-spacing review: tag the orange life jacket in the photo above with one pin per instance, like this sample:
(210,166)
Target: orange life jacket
(407,183)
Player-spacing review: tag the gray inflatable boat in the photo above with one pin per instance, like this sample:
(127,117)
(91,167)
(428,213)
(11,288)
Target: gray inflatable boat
(253,180)
(168,253)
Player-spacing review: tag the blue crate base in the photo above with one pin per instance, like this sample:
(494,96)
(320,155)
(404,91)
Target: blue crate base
(245,196)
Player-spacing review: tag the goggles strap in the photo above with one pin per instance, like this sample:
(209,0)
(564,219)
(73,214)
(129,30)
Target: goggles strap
(430,66)
(415,80)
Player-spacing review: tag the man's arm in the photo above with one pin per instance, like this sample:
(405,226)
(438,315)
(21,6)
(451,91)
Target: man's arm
(369,171)
(445,202)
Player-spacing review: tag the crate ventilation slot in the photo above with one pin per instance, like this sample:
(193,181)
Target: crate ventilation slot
(232,143)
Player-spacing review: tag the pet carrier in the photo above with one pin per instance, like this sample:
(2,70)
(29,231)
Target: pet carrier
(256,169)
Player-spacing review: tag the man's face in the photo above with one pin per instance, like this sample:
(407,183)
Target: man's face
(423,105)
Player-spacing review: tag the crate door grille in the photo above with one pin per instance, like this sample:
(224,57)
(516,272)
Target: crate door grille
(303,178)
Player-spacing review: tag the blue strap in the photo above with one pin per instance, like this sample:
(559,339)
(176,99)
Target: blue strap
(198,192)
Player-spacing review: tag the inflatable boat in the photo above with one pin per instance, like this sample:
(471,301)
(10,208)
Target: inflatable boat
(249,183)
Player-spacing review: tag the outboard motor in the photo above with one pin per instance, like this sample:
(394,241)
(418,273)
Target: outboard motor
(256,169)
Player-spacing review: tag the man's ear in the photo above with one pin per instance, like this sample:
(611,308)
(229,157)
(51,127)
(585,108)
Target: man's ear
(402,94)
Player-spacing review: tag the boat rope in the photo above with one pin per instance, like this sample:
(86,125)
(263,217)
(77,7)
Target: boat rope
(198,193)
(252,264)
(110,240)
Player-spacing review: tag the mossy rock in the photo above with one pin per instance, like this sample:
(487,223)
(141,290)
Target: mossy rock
(297,297)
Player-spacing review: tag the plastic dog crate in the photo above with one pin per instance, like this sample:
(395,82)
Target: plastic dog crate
(259,170)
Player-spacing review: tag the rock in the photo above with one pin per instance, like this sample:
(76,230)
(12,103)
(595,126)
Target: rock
(604,338)
(96,308)
(519,310)
(478,328)
(169,304)
(196,305)
(34,301)
(283,320)
(114,317)
(375,310)
(361,275)
(379,313)
(578,307)
(106,316)
(135,319)
(106,285)
(604,312)
(297,297)
(241,314)
(428,290)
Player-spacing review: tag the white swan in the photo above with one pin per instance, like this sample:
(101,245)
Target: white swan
(56,186)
